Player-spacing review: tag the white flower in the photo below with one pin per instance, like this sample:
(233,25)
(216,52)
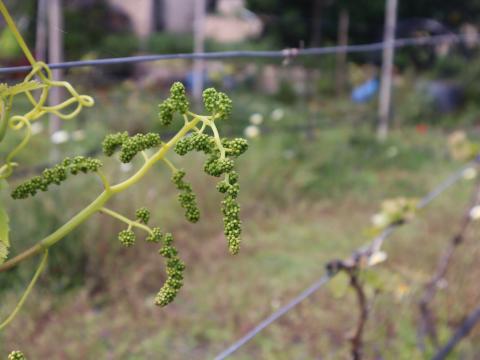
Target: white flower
(377,257)
(379,220)
(256,119)
(392,151)
(37,128)
(60,137)
(252,131)
(469,173)
(125,167)
(78,135)
(289,154)
(277,114)
(475,212)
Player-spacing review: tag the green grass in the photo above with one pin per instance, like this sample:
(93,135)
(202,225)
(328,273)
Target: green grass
(303,203)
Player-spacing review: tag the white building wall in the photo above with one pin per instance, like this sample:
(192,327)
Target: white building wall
(140,13)
(179,15)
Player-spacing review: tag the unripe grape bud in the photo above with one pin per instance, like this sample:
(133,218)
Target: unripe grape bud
(156,235)
(187,197)
(56,175)
(166,111)
(113,141)
(137,143)
(175,268)
(179,98)
(143,215)
(126,237)
(16,355)
(235,147)
(217,103)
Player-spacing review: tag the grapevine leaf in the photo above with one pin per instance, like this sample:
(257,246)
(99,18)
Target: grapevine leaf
(4,228)
(339,285)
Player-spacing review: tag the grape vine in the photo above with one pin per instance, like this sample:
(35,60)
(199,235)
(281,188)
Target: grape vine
(198,133)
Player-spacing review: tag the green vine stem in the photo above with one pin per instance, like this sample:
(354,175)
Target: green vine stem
(29,288)
(97,204)
(126,220)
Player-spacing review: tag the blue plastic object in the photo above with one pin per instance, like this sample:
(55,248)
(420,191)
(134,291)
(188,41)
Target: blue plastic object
(366,91)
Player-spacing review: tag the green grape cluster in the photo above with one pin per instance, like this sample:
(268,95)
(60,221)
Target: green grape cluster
(143,215)
(217,103)
(235,147)
(112,142)
(56,175)
(175,268)
(197,142)
(127,237)
(186,197)
(177,102)
(129,146)
(16,355)
(216,166)
(140,142)
(231,211)
(156,236)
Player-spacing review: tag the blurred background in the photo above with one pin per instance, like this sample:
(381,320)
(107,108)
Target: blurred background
(314,175)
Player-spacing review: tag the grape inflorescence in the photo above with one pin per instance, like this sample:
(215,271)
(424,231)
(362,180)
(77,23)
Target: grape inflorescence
(221,154)
(56,175)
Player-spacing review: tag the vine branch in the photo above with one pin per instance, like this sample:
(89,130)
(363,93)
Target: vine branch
(357,338)
(427,318)
(461,332)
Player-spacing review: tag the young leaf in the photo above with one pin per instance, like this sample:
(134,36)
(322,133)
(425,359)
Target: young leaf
(339,285)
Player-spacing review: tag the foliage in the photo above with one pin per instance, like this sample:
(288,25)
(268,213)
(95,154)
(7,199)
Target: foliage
(286,93)
(394,211)
(95,27)
(461,148)
(174,43)
(165,43)
(118,45)
(295,21)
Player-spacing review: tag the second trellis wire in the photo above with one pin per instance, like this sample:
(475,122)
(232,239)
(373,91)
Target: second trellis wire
(375,243)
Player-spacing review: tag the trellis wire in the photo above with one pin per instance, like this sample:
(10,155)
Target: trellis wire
(375,244)
(275,316)
(285,53)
